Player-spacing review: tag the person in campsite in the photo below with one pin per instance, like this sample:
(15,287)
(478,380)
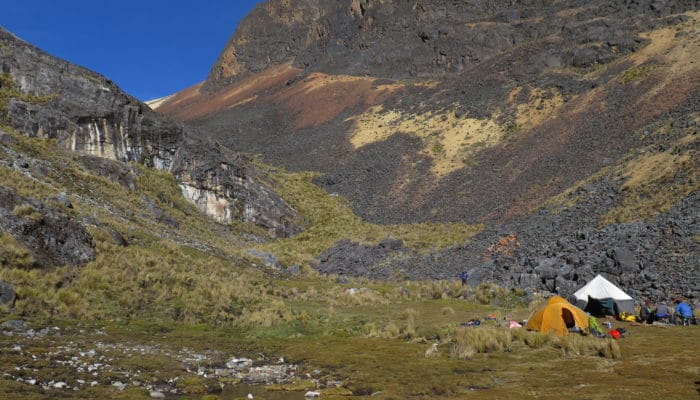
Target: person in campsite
(662,312)
(683,312)
(464,275)
(645,313)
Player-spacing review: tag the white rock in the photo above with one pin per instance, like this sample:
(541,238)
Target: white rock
(239,363)
(119,385)
(157,395)
(312,395)
(31,381)
(60,385)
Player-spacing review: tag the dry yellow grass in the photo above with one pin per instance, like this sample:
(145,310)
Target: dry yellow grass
(542,105)
(448,140)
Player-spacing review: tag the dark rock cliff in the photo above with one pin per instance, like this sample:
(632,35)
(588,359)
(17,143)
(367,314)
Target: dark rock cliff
(429,38)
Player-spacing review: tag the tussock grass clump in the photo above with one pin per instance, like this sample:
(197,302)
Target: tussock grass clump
(486,293)
(13,254)
(467,342)
(28,212)
(576,345)
(434,290)
(448,311)
(406,329)
(535,340)
(610,350)
(409,316)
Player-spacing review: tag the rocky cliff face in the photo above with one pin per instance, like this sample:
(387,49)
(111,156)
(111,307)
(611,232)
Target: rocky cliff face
(81,109)
(429,38)
(227,187)
(49,98)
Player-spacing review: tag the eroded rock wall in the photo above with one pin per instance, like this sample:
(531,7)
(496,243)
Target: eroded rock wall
(87,113)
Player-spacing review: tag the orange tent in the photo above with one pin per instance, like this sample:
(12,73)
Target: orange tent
(557,315)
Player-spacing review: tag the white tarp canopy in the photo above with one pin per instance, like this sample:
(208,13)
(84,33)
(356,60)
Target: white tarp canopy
(601,288)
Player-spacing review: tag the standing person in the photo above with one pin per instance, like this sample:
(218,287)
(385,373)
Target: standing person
(683,312)
(464,275)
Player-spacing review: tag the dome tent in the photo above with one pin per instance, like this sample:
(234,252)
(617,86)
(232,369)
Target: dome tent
(602,291)
(557,315)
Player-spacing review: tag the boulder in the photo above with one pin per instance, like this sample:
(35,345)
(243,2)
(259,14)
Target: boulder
(547,268)
(7,293)
(529,281)
(15,325)
(391,243)
(624,259)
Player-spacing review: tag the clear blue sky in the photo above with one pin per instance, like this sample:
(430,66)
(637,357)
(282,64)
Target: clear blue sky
(151,48)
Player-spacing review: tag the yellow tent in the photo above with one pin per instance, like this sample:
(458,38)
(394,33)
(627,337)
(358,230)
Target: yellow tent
(557,315)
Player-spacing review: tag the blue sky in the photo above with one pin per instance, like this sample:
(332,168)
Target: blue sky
(151,48)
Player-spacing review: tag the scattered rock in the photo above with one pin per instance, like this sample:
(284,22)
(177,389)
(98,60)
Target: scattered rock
(391,243)
(268,374)
(14,325)
(239,363)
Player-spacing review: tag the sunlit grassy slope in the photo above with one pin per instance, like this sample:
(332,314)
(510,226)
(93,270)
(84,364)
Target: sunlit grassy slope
(195,271)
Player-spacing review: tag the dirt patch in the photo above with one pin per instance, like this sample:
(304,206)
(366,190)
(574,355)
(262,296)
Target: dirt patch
(192,104)
(319,98)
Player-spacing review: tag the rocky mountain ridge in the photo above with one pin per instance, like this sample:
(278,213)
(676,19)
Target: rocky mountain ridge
(480,112)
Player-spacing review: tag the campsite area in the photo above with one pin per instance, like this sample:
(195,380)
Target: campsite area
(351,350)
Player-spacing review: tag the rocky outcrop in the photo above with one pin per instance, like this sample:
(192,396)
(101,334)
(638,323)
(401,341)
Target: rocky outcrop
(227,187)
(50,98)
(81,109)
(51,236)
(403,39)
